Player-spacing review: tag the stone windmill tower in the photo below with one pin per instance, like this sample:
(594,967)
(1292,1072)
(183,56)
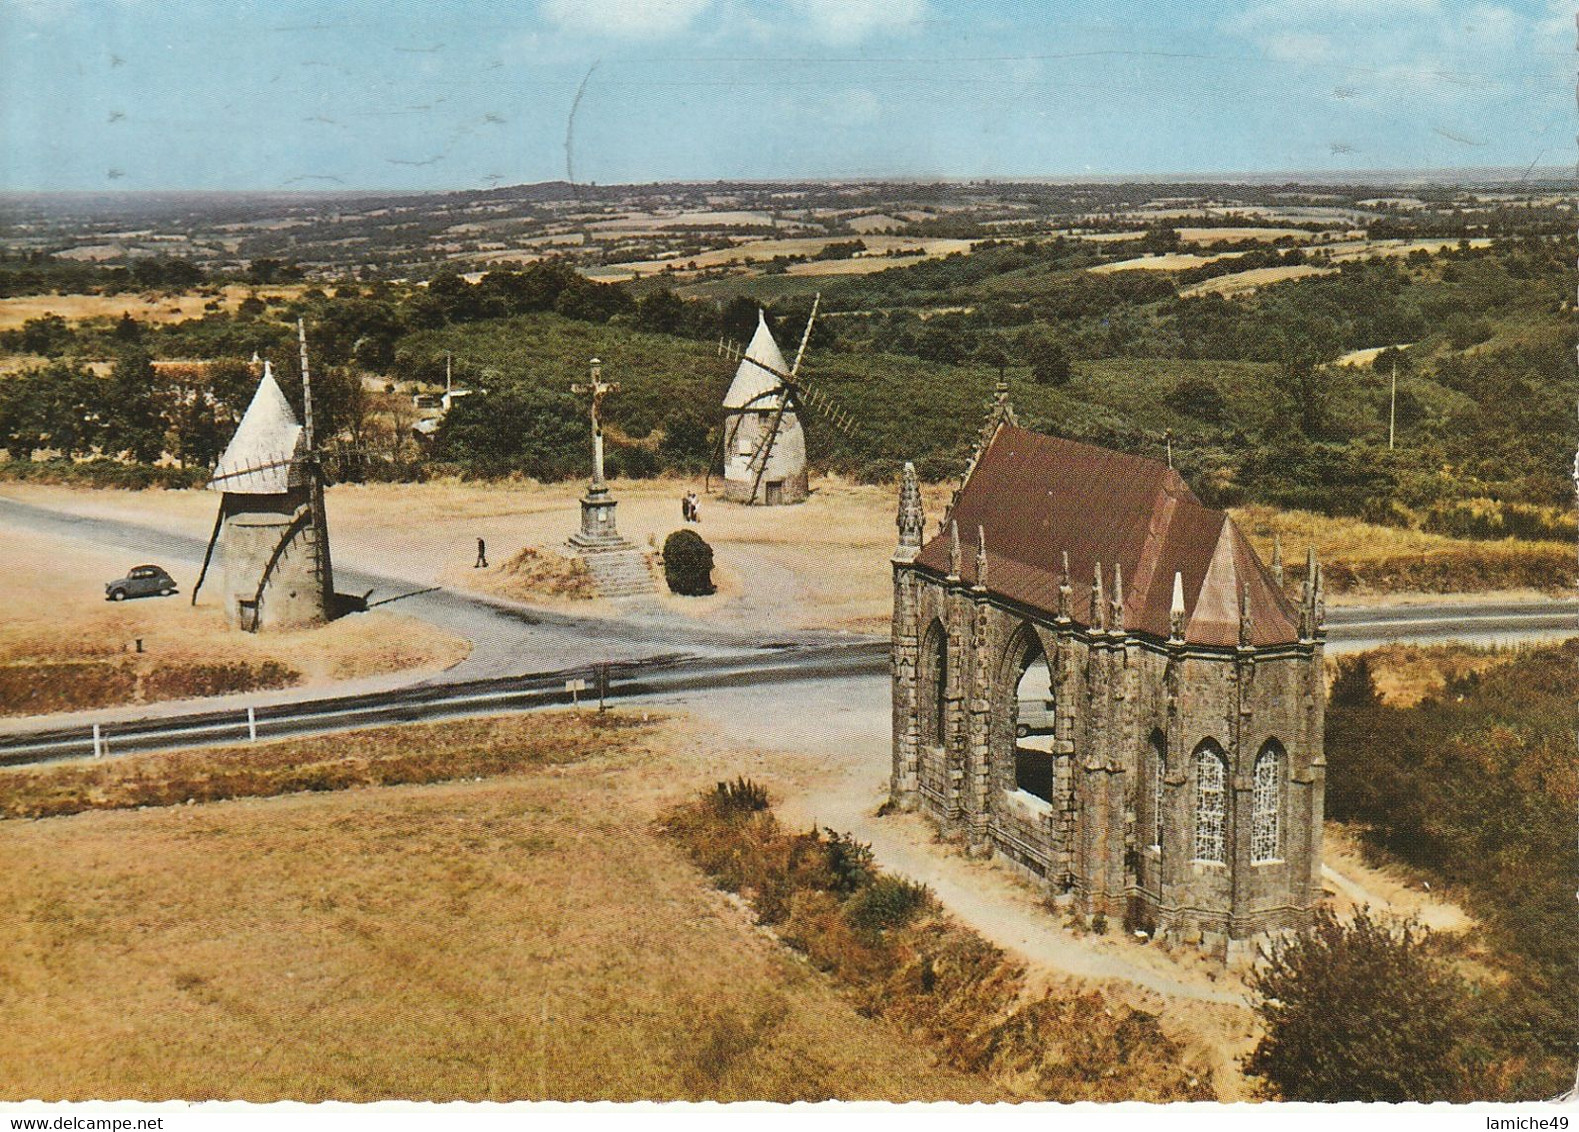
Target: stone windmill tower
(271,536)
(762,463)
(763,441)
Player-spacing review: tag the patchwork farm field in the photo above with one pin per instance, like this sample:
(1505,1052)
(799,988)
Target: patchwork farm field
(879,256)
(150,307)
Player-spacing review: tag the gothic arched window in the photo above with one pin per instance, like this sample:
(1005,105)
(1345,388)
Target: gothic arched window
(1211,803)
(934,687)
(1268,805)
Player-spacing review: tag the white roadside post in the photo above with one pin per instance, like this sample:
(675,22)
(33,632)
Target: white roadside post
(252,724)
(98,749)
(575,688)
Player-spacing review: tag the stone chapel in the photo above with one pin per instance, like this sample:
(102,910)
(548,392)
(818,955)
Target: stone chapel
(1165,768)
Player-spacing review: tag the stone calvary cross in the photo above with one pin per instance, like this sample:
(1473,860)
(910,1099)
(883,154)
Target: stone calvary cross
(599,389)
(598,530)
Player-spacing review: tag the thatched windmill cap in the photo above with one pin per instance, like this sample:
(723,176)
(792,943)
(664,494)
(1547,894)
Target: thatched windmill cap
(257,461)
(752,381)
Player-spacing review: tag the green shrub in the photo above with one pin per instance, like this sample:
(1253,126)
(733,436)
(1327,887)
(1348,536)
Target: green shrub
(887,902)
(849,861)
(688,564)
(742,796)
(1355,1012)
(102,472)
(1475,787)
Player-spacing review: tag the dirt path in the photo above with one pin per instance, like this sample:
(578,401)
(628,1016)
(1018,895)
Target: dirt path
(1385,890)
(824,755)
(985,895)
(839,732)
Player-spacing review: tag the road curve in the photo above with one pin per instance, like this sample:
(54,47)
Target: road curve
(521,658)
(650,679)
(507,639)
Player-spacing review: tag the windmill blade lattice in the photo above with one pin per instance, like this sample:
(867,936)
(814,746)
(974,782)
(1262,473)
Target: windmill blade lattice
(805,394)
(257,469)
(766,409)
(828,410)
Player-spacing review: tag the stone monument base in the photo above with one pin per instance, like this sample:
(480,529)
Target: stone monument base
(618,569)
(598,530)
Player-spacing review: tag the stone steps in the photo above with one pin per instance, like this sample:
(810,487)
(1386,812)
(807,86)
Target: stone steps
(620,573)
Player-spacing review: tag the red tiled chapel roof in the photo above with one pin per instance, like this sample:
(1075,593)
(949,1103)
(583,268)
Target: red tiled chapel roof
(1037,497)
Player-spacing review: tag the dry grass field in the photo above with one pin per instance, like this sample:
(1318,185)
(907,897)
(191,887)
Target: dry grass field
(1243,282)
(1364,561)
(488,909)
(1260,235)
(145,307)
(762,251)
(1392,249)
(646,223)
(1167,261)
(821,564)
(1407,674)
(64,647)
(526,936)
(863,265)
(1363,358)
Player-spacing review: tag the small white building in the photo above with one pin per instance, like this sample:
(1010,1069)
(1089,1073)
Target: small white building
(759,468)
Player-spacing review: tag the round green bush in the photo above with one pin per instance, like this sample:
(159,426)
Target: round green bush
(688,564)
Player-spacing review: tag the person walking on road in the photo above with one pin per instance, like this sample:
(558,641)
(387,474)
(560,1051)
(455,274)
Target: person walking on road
(685,507)
(482,556)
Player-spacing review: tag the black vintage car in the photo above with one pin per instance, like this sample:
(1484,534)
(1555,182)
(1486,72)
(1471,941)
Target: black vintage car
(140,581)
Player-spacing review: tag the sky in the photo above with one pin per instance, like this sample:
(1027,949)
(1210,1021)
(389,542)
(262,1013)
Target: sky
(454,94)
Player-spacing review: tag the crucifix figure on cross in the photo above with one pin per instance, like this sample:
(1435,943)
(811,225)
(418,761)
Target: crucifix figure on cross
(599,389)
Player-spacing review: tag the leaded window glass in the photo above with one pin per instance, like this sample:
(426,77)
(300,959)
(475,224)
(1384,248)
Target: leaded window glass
(1211,805)
(1268,805)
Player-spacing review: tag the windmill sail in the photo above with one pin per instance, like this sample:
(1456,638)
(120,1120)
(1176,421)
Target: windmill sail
(763,445)
(764,448)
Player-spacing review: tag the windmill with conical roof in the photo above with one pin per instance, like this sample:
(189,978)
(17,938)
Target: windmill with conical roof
(763,440)
(271,535)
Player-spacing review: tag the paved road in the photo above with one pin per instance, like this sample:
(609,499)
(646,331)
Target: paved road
(1494,622)
(521,658)
(235,719)
(507,639)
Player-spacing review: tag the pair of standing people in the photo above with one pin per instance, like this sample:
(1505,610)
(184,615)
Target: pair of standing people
(690,508)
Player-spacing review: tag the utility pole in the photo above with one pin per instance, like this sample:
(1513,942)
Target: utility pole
(1392,406)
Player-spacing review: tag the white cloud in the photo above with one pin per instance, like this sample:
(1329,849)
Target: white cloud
(42,11)
(1436,53)
(1297,46)
(624,19)
(847,22)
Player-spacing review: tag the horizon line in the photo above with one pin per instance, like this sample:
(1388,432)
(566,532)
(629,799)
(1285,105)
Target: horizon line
(1446,176)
